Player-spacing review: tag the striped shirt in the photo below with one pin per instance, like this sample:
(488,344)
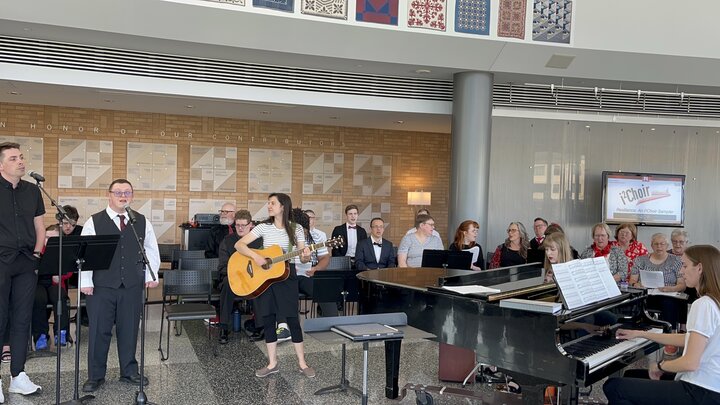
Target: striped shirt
(274,236)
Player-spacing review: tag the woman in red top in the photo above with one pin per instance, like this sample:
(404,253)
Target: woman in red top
(626,240)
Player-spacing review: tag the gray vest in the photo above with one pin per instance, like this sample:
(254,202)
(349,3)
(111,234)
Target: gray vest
(127,263)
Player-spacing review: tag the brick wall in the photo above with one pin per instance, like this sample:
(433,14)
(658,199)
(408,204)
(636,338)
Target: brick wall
(421,161)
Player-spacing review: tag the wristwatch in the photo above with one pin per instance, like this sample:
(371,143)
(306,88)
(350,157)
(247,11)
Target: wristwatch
(659,366)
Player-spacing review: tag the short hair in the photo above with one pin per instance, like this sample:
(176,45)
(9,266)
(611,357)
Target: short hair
(71,212)
(658,235)
(309,211)
(7,145)
(602,225)
(421,218)
(376,219)
(679,232)
(425,210)
(630,227)
(541,219)
(119,181)
(52,227)
(351,207)
(243,214)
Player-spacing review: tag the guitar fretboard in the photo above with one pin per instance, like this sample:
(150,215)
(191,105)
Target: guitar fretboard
(298,252)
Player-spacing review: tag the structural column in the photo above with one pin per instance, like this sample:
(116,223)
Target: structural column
(470,168)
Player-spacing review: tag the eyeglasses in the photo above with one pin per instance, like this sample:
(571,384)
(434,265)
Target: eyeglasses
(513,230)
(225,211)
(311,217)
(379,226)
(241,225)
(430,223)
(600,236)
(679,242)
(122,193)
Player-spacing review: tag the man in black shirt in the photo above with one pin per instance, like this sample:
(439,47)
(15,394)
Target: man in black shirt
(219,232)
(22,236)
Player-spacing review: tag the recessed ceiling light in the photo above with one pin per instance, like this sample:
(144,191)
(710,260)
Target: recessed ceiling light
(423,71)
(587,126)
(652,129)
(189,106)
(399,122)
(14,93)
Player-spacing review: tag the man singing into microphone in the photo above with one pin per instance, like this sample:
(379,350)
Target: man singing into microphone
(22,237)
(114,296)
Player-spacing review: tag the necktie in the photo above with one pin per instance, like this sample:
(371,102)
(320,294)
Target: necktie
(352,226)
(377,244)
(540,241)
(122,222)
(230,230)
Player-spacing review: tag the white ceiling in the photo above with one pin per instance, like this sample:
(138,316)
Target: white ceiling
(516,62)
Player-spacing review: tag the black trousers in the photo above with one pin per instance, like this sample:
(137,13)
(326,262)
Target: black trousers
(227,299)
(637,391)
(17,290)
(107,307)
(49,295)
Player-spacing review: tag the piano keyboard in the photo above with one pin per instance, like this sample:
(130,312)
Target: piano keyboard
(598,350)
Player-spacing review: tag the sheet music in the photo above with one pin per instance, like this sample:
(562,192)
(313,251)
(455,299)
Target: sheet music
(472,289)
(585,281)
(652,279)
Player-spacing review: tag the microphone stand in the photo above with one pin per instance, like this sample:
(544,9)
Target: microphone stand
(140,397)
(61,214)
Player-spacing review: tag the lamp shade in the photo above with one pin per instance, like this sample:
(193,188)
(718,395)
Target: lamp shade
(419,197)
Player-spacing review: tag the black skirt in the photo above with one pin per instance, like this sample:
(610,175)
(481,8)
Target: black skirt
(280,298)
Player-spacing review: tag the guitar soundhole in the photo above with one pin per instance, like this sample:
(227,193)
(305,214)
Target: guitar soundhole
(249,269)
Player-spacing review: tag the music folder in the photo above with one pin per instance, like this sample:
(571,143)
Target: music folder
(96,251)
(367,331)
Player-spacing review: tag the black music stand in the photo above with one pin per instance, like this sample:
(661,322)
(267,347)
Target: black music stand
(446,259)
(336,285)
(94,252)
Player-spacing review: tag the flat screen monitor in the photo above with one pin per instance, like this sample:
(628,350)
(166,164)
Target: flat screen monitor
(446,259)
(643,198)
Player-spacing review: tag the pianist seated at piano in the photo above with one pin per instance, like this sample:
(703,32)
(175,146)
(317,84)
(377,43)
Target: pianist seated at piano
(671,308)
(514,251)
(616,259)
(697,379)
(412,245)
(465,237)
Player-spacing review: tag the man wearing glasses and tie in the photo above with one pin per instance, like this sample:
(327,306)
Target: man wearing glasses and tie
(375,252)
(114,296)
(220,231)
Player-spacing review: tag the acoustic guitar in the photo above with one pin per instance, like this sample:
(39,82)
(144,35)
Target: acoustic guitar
(249,280)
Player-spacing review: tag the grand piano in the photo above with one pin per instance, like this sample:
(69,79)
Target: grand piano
(570,349)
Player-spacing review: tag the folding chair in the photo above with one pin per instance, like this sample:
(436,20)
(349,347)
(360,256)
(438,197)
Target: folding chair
(187,282)
(185,254)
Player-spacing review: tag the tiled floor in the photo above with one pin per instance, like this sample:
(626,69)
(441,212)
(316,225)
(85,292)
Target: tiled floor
(193,375)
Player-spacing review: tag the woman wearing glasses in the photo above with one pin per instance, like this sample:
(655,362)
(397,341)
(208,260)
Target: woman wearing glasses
(601,247)
(514,250)
(411,247)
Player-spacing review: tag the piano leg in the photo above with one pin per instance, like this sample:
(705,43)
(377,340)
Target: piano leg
(533,394)
(392,368)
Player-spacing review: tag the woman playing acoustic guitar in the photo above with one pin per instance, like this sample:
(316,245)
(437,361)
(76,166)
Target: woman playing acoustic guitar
(280,300)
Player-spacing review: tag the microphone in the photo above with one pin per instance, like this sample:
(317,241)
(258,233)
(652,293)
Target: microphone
(37,176)
(130,213)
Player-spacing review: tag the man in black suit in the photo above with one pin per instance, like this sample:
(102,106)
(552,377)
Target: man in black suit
(375,252)
(351,232)
(243,226)
(536,252)
(220,231)
(114,296)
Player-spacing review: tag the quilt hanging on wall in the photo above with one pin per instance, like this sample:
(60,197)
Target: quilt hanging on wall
(472,16)
(428,14)
(511,19)
(325,8)
(552,21)
(377,11)
(282,5)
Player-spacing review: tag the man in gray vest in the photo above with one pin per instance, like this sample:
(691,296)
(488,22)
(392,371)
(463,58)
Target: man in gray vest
(114,296)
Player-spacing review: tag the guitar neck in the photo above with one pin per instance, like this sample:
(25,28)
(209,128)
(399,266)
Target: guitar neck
(298,252)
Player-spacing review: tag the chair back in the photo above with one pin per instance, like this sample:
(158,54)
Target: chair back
(198,264)
(339,263)
(187,282)
(166,251)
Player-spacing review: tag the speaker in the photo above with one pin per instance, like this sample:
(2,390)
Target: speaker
(207,219)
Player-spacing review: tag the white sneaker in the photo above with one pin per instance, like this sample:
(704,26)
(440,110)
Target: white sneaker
(22,385)
(2,397)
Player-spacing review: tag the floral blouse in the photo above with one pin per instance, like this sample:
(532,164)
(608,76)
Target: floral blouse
(635,249)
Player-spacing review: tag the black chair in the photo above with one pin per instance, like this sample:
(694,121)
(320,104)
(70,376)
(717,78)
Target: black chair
(185,254)
(210,265)
(187,282)
(339,263)
(166,251)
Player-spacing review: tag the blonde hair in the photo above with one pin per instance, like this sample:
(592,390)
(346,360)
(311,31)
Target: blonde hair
(563,245)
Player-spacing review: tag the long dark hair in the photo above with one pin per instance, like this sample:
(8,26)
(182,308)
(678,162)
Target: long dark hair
(286,203)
